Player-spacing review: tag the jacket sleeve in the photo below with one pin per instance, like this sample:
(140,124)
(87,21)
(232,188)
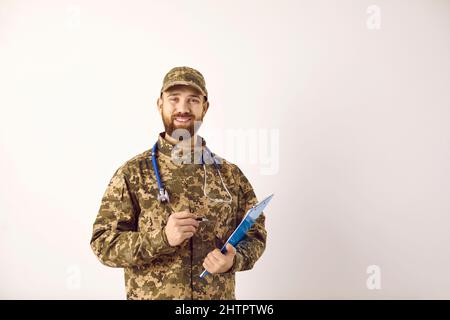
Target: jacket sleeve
(252,246)
(115,239)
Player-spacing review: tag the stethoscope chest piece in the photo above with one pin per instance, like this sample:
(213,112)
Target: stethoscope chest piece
(163,196)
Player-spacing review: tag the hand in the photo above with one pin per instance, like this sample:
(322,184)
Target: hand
(180,226)
(217,262)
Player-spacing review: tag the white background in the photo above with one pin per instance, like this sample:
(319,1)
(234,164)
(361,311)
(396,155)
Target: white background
(362,116)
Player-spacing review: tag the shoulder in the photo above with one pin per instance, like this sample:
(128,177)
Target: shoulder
(232,170)
(135,164)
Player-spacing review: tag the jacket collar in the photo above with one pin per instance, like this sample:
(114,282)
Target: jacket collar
(178,154)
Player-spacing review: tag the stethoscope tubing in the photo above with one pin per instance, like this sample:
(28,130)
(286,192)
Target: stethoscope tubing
(163,195)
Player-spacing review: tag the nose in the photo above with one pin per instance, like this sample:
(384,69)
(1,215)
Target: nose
(183,106)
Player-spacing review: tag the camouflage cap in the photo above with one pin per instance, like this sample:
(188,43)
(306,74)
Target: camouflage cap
(185,76)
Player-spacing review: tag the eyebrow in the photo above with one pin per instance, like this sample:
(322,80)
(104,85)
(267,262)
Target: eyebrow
(177,94)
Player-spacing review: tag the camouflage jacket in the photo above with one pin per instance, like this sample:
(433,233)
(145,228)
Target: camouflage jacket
(129,229)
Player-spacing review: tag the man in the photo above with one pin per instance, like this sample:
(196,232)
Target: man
(164,244)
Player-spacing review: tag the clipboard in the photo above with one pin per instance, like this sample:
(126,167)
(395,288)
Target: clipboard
(249,219)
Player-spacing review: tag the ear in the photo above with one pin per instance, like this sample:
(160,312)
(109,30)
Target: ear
(205,108)
(159,104)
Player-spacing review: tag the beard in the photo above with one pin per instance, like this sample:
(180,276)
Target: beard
(171,124)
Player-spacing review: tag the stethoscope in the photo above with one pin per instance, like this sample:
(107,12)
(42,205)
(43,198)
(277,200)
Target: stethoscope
(163,195)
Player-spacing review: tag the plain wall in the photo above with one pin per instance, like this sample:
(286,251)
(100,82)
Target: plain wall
(354,94)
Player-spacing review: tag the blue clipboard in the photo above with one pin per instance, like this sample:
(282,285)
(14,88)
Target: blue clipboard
(249,219)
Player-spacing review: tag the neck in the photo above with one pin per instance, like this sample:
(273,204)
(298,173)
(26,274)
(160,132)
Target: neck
(188,143)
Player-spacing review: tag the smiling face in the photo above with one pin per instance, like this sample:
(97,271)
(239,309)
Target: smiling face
(182,107)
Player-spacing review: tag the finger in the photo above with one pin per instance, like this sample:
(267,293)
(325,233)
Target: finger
(217,255)
(214,257)
(211,264)
(182,214)
(187,222)
(187,229)
(207,266)
(187,235)
(230,250)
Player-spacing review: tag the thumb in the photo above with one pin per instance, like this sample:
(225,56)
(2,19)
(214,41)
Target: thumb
(230,250)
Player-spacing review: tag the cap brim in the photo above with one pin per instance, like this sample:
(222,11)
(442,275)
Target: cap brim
(185,83)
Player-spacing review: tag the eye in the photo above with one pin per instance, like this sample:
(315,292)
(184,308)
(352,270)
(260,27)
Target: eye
(195,100)
(173,99)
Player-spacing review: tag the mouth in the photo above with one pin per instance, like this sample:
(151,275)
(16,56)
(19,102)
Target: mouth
(182,119)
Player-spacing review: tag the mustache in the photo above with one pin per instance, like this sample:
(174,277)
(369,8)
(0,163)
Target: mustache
(182,115)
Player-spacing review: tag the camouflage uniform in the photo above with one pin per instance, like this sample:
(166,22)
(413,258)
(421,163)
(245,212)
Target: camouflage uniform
(129,229)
